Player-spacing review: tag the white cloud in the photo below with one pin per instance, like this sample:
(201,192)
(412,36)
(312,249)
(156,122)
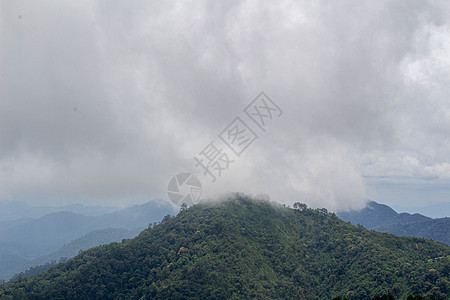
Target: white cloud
(112,99)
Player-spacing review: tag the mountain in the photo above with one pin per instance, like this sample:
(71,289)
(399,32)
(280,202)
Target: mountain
(382,218)
(20,244)
(92,239)
(7,225)
(437,210)
(247,249)
(135,216)
(47,233)
(17,210)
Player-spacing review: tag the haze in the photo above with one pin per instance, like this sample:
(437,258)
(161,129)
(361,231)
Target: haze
(102,102)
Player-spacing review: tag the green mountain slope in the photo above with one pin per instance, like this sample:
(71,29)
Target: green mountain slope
(92,239)
(21,244)
(242,249)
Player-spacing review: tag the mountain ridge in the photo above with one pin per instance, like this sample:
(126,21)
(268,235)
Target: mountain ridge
(381,217)
(245,249)
(39,237)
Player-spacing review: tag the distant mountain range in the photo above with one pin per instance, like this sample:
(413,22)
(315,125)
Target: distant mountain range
(382,218)
(24,240)
(92,239)
(18,210)
(246,249)
(27,242)
(437,210)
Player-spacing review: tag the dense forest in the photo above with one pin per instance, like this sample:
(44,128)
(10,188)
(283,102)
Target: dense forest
(240,248)
(32,242)
(92,239)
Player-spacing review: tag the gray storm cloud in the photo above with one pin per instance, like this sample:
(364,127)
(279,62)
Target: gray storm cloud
(105,101)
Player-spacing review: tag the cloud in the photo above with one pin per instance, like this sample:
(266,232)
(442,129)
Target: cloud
(106,101)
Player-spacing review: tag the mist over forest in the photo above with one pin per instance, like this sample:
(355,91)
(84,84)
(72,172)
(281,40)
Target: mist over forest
(139,141)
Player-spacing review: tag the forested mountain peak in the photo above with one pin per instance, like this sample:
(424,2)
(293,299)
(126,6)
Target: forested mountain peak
(242,248)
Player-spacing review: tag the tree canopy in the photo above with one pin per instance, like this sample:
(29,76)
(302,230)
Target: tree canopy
(245,249)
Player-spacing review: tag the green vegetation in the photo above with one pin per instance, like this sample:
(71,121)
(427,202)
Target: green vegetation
(92,239)
(34,242)
(243,249)
(435,229)
(32,271)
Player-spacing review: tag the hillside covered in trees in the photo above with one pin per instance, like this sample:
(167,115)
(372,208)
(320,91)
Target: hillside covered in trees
(33,242)
(242,249)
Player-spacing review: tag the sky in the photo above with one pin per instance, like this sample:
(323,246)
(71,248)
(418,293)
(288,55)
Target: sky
(103,102)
